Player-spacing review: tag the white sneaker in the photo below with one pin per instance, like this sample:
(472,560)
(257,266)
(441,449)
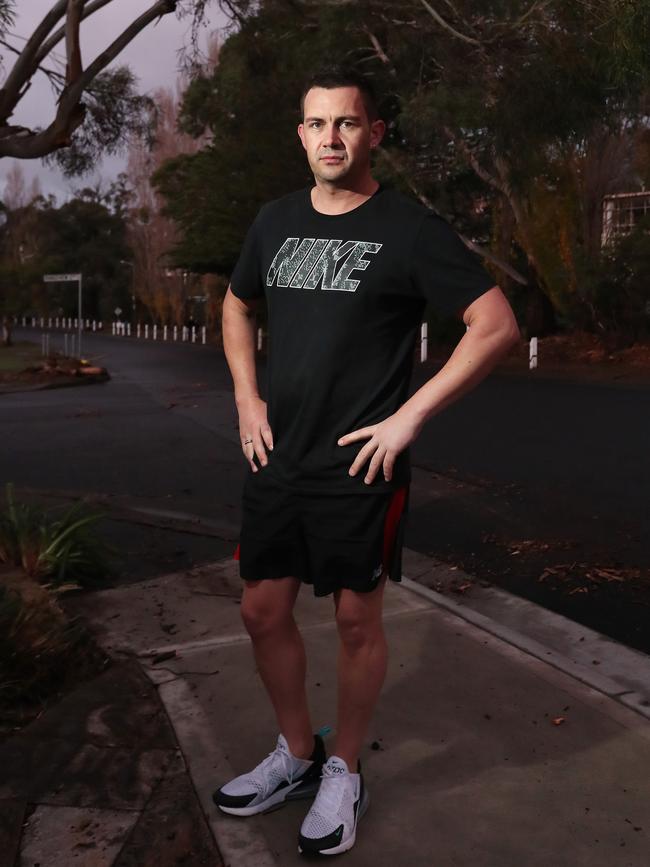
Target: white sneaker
(278,778)
(330,826)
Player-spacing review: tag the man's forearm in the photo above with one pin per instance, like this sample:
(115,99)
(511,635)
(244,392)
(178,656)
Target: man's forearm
(238,328)
(475,355)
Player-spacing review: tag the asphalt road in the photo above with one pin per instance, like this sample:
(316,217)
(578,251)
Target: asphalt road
(545,468)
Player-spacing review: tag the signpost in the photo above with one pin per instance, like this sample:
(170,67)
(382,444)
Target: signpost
(68,278)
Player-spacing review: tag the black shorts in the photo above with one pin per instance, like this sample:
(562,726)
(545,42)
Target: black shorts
(330,541)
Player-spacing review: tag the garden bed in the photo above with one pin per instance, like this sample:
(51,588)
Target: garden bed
(22,366)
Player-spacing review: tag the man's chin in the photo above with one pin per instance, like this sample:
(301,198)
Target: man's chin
(332,174)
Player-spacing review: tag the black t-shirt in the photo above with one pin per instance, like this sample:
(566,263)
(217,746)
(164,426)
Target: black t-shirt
(346,295)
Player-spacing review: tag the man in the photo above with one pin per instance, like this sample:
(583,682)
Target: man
(347,268)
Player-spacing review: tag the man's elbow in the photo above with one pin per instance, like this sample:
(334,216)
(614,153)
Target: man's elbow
(492,314)
(512,334)
(502,326)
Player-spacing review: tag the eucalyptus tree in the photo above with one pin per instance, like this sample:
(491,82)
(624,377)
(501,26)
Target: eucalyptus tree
(95,109)
(497,112)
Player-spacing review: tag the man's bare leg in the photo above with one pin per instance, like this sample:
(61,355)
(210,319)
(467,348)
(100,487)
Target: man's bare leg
(362,663)
(267,612)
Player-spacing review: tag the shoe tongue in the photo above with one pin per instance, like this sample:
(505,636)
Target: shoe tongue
(282,744)
(336,766)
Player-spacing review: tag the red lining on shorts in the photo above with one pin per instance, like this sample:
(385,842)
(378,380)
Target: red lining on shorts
(236,554)
(392,520)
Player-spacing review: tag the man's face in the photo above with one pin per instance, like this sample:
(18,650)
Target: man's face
(337,134)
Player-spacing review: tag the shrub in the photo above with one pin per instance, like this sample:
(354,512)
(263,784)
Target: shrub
(63,550)
(41,650)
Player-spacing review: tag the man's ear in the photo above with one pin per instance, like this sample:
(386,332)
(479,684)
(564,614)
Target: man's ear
(377,130)
(301,133)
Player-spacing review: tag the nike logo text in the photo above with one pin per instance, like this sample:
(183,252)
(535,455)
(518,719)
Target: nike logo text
(312,262)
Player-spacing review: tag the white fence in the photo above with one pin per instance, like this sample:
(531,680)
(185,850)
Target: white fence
(187,334)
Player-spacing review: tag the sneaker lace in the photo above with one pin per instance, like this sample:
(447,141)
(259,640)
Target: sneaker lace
(277,758)
(330,792)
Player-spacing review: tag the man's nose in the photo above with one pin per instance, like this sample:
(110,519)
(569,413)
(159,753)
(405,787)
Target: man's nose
(332,136)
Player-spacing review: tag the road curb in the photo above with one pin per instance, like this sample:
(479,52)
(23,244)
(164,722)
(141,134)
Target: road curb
(606,685)
(239,841)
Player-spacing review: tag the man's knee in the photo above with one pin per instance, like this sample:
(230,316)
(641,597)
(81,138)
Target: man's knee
(358,628)
(267,613)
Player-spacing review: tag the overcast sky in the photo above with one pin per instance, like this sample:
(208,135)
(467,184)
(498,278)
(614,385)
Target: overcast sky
(152,56)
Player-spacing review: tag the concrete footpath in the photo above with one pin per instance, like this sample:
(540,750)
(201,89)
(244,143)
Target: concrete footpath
(487,748)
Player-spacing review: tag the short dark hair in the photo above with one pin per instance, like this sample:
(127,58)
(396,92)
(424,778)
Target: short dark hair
(337,76)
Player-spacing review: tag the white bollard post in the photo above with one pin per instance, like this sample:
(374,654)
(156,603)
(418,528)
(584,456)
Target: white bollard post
(424,341)
(203,335)
(56,321)
(137,331)
(112,328)
(194,334)
(155,331)
(23,321)
(49,322)
(128,328)
(164,332)
(146,331)
(94,325)
(532,355)
(175,332)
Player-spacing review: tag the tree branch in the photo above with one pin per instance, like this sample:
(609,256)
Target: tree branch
(51,73)
(441,21)
(379,51)
(70,113)
(58,35)
(397,165)
(26,64)
(469,154)
(73,92)
(72,47)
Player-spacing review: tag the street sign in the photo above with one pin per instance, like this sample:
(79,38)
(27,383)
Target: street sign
(56,278)
(64,278)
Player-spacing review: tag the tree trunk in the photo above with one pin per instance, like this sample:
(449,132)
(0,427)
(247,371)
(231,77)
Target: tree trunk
(540,314)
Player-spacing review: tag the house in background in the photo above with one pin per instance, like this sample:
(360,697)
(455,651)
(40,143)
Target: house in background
(622,212)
